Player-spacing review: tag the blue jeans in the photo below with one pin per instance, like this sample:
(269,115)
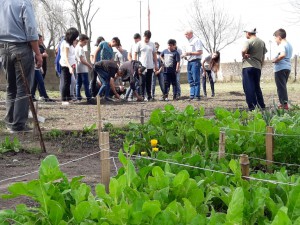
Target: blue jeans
(193,70)
(17,111)
(83,78)
(251,85)
(38,82)
(105,80)
(178,91)
(170,78)
(160,78)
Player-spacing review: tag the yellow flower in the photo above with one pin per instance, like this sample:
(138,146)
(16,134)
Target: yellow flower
(144,153)
(155,149)
(153,142)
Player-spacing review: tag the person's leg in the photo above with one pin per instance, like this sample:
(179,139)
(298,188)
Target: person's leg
(61,85)
(161,82)
(167,85)
(67,83)
(196,77)
(178,84)
(34,85)
(142,85)
(73,85)
(78,85)
(258,92)
(40,81)
(191,79)
(248,85)
(212,84)
(281,78)
(85,80)
(204,82)
(173,81)
(21,106)
(148,82)
(153,84)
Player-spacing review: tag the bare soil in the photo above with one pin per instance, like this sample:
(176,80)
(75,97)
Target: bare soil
(71,144)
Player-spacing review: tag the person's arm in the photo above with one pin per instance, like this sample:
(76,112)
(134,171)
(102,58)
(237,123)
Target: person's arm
(155,60)
(38,55)
(66,55)
(280,56)
(129,56)
(113,87)
(84,62)
(245,49)
(96,53)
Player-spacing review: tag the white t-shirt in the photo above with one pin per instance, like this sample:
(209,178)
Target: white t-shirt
(80,67)
(132,51)
(71,56)
(146,51)
(194,45)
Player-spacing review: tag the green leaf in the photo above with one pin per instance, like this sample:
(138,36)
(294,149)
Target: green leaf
(294,203)
(56,212)
(190,211)
(236,207)
(151,208)
(81,211)
(180,178)
(281,217)
(49,169)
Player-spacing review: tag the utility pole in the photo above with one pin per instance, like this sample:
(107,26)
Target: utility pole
(148,16)
(140,17)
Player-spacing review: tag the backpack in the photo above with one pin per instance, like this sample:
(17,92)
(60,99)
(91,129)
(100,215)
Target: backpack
(57,58)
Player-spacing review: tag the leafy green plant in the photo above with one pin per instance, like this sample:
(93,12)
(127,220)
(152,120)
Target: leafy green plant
(8,145)
(54,133)
(89,129)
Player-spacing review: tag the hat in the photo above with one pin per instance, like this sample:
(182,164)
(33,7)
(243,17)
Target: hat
(251,30)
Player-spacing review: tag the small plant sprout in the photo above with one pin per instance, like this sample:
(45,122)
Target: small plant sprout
(153,143)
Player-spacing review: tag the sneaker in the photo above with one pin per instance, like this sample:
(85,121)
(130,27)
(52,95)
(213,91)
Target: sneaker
(145,100)
(166,99)
(213,95)
(108,99)
(91,101)
(161,99)
(196,99)
(177,98)
(49,100)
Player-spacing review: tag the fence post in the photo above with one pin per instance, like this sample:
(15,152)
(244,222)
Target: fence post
(99,115)
(269,147)
(142,116)
(245,164)
(222,145)
(104,159)
(296,62)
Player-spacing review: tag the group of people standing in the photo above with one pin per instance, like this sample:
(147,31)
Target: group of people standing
(253,54)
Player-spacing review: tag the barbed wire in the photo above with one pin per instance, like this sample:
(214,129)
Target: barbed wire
(260,159)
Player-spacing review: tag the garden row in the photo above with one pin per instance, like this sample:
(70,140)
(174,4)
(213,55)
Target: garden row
(180,181)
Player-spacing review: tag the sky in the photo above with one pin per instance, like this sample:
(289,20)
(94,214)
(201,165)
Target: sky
(168,19)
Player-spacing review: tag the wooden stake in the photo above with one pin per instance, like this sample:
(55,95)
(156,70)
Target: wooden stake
(142,116)
(269,147)
(34,115)
(35,130)
(104,159)
(222,145)
(245,164)
(99,115)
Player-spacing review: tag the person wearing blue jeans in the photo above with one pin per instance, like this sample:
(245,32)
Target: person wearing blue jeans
(82,68)
(39,82)
(193,54)
(157,74)
(107,71)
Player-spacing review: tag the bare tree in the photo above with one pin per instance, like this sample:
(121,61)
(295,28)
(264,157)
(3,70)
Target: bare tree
(83,16)
(295,11)
(214,25)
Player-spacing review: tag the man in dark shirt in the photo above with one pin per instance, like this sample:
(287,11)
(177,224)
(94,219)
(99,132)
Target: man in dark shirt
(44,55)
(18,37)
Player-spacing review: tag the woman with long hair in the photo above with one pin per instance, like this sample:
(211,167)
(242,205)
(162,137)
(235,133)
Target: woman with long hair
(68,61)
(211,66)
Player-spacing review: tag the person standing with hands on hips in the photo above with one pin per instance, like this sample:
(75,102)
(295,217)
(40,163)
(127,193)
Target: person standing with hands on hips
(193,54)
(18,37)
(282,67)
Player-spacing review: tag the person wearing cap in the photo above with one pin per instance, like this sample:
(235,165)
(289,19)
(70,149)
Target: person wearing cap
(94,58)
(282,66)
(18,37)
(253,54)
(192,54)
